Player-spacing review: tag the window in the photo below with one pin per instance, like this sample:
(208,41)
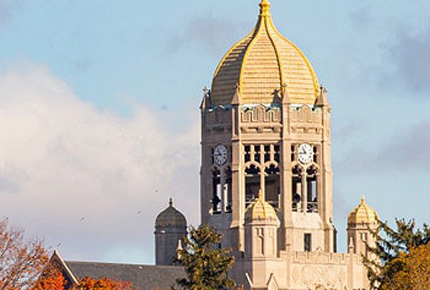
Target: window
(262,172)
(247,153)
(272,185)
(312,194)
(229,201)
(308,242)
(297,189)
(252,184)
(216,192)
(277,154)
(266,153)
(257,153)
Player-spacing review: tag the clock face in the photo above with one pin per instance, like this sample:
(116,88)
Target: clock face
(305,153)
(220,154)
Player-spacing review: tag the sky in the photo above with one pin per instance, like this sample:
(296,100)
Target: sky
(99,118)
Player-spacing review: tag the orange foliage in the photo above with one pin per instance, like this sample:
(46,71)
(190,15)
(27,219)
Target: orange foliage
(104,284)
(51,282)
(415,270)
(21,260)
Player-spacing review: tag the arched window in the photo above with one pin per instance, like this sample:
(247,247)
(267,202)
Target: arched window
(297,188)
(228,191)
(272,185)
(312,189)
(252,181)
(216,192)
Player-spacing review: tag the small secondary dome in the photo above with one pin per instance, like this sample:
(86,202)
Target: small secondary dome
(363,214)
(260,210)
(170,217)
(262,66)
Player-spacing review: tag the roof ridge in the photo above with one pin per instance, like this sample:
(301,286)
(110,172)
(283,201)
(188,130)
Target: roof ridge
(123,264)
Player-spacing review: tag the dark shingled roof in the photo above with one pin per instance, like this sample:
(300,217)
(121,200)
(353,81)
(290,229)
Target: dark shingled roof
(143,277)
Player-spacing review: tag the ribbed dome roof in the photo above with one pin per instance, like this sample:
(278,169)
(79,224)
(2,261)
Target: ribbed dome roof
(263,64)
(260,210)
(363,214)
(170,217)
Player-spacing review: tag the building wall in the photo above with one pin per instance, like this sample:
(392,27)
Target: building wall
(303,271)
(166,244)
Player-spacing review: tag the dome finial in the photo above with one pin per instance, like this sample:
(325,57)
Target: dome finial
(260,210)
(363,200)
(170,202)
(261,195)
(264,8)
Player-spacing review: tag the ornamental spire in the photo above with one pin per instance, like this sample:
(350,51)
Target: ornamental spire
(261,195)
(264,8)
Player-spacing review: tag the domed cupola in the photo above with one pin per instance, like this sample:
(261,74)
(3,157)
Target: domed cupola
(362,214)
(170,217)
(362,226)
(170,229)
(261,225)
(263,66)
(260,210)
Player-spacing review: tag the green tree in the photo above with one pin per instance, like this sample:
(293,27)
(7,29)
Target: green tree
(205,264)
(392,246)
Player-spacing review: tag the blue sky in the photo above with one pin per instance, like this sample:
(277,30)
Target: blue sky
(99,110)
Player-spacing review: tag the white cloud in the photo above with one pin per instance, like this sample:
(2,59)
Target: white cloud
(61,159)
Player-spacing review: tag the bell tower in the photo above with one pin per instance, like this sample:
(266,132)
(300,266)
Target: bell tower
(266,127)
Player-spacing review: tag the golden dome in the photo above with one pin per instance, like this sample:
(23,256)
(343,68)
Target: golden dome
(260,210)
(170,217)
(363,214)
(263,64)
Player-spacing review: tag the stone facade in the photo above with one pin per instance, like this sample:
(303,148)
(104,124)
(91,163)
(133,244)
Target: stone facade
(266,136)
(266,173)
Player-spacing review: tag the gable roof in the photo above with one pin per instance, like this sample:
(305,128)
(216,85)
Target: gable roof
(142,276)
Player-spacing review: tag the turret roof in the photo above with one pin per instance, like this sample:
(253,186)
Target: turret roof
(363,214)
(264,64)
(170,217)
(260,210)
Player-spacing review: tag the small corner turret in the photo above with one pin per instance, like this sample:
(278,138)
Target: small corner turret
(362,221)
(170,228)
(322,100)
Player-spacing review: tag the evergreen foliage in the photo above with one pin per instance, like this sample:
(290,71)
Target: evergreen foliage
(387,258)
(205,264)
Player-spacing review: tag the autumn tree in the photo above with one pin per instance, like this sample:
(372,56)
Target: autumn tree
(54,280)
(393,250)
(414,273)
(89,283)
(21,260)
(205,264)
